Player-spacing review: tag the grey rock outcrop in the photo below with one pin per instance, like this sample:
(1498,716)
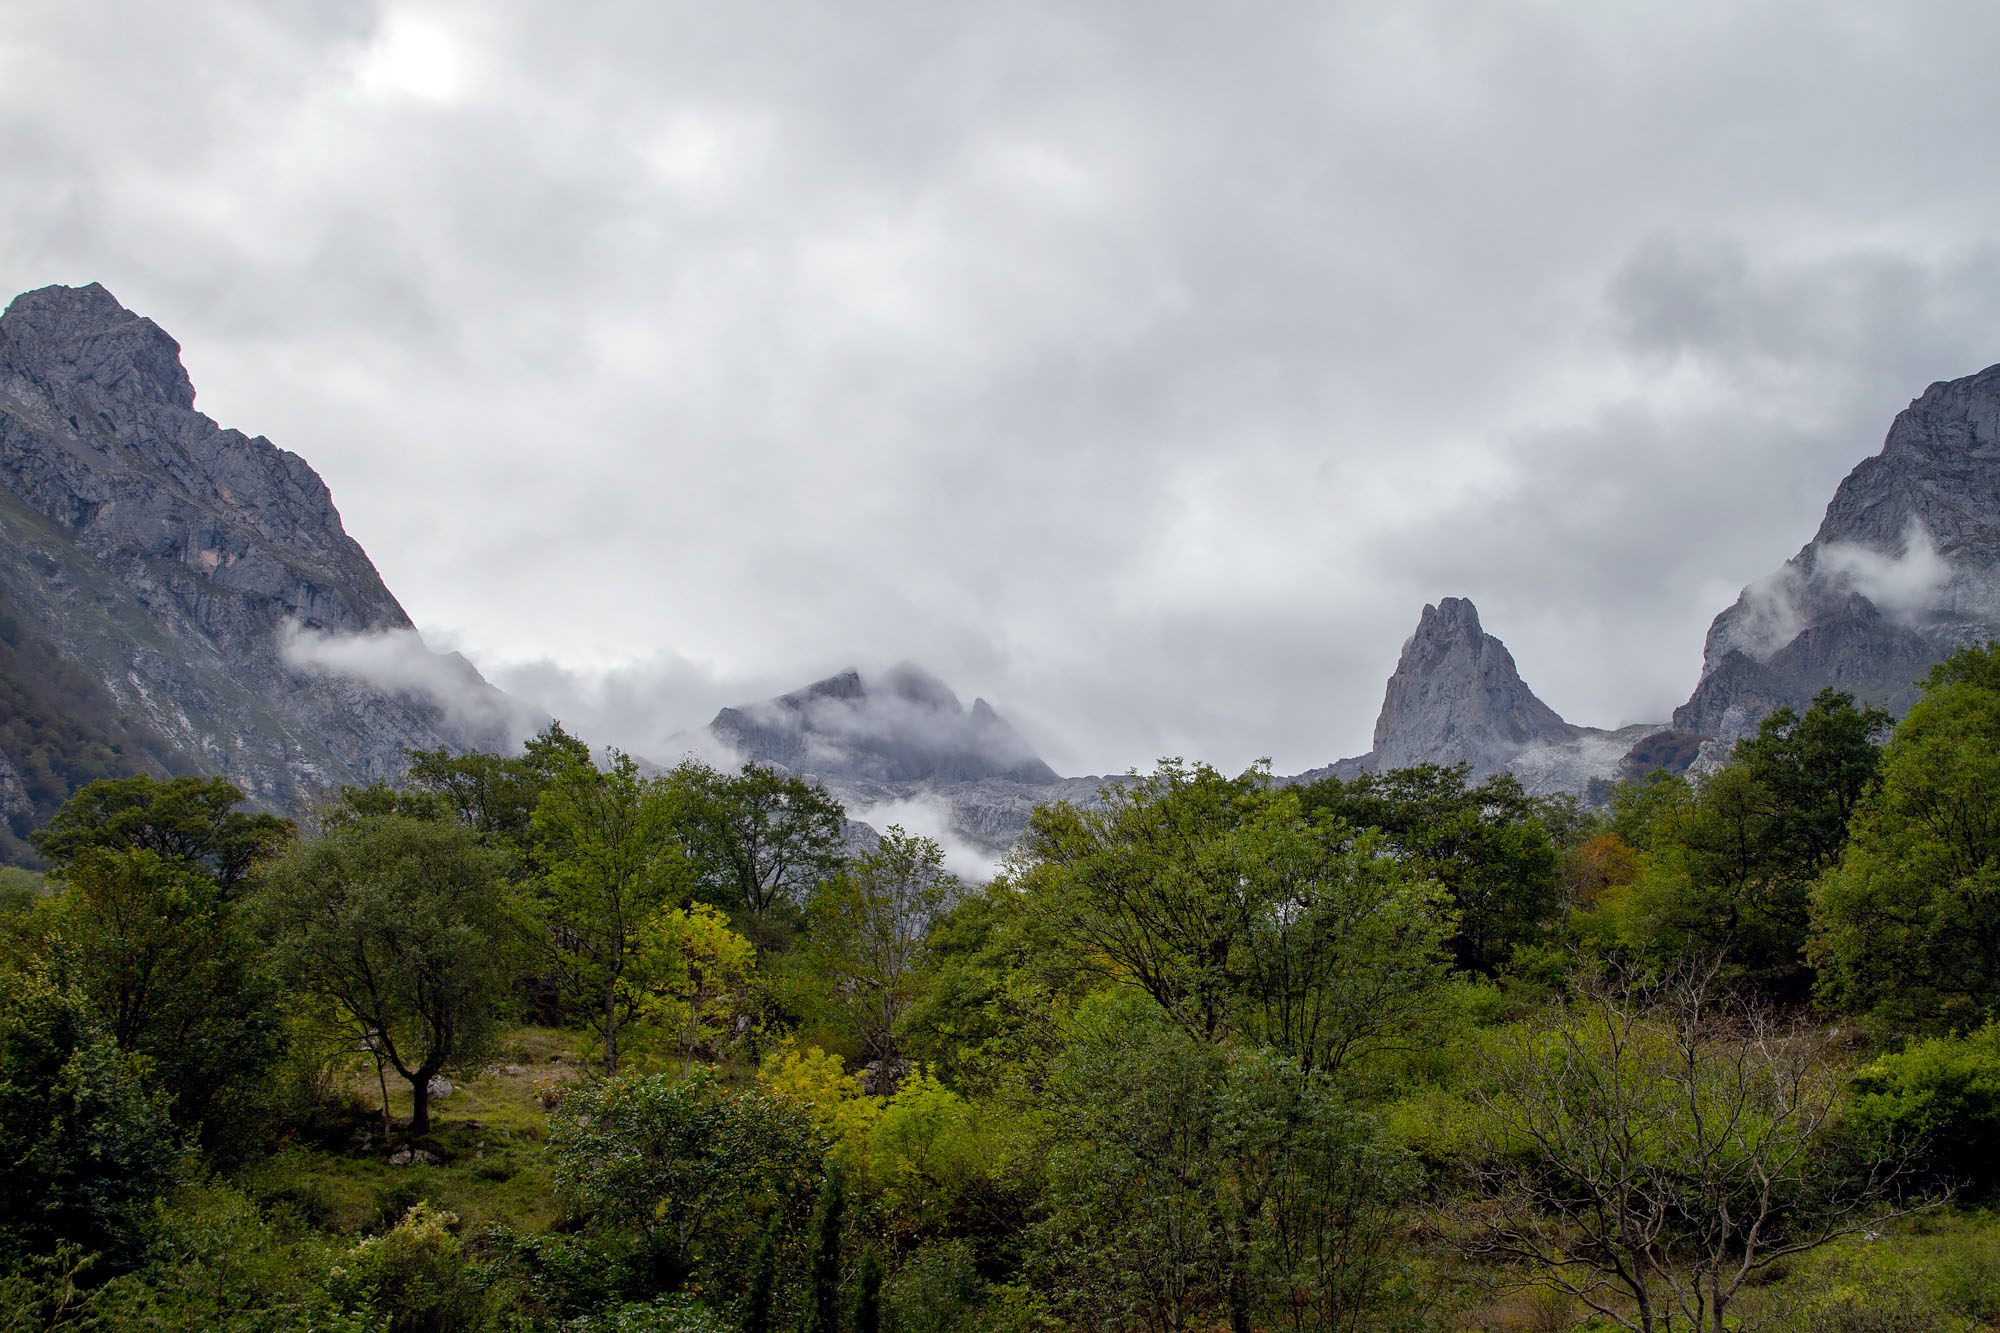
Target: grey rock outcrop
(183,566)
(896,748)
(1457,698)
(1904,569)
(906,726)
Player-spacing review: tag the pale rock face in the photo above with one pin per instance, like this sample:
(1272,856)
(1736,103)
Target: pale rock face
(1457,698)
(1904,569)
(906,726)
(170,556)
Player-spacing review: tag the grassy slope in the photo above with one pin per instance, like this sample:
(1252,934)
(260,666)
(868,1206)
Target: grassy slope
(488,1133)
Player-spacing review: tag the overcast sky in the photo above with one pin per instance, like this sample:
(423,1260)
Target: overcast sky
(1142,367)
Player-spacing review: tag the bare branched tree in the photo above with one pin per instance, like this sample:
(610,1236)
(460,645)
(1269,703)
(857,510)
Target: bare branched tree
(1650,1146)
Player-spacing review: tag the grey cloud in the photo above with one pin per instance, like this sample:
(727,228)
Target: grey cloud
(1143,368)
(1908,584)
(397,661)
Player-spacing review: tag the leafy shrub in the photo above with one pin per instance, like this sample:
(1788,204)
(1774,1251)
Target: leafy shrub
(299,1204)
(695,1169)
(84,1148)
(393,1202)
(568,1278)
(414,1278)
(678,1313)
(937,1290)
(1941,1099)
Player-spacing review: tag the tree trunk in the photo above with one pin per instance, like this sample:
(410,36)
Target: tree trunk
(611,1029)
(1239,1295)
(420,1105)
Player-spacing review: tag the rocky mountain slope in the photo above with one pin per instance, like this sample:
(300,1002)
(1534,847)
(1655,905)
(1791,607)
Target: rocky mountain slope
(1457,697)
(187,578)
(1905,568)
(899,747)
(905,726)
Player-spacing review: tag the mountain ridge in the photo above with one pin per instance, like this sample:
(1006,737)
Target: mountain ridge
(176,562)
(1903,569)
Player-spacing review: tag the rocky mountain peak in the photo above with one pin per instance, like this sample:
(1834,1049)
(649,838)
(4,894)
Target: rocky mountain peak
(1456,696)
(904,726)
(98,433)
(196,579)
(1905,568)
(83,340)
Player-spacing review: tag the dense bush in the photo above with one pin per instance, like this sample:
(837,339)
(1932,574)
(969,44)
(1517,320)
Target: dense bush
(1938,1099)
(85,1147)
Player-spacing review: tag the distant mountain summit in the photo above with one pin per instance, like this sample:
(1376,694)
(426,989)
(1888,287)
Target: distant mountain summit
(168,587)
(905,726)
(900,748)
(1904,569)
(1457,698)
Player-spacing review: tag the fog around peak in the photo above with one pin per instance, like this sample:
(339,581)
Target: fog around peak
(398,662)
(1140,368)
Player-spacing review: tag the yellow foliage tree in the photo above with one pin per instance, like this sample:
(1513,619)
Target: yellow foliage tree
(701,975)
(819,1081)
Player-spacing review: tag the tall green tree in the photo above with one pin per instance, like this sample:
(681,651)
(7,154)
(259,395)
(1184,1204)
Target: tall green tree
(868,929)
(1907,928)
(169,964)
(1487,844)
(760,839)
(823,1254)
(401,926)
(1730,860)
(1243,920)
(609,859)
(192,821)
(85,1147)
(1186,1179)
(495,795)
(1816,768)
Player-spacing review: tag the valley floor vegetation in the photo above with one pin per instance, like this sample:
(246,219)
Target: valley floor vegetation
(548,1042)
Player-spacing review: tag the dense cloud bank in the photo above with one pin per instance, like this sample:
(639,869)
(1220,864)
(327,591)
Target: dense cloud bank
(1142,369)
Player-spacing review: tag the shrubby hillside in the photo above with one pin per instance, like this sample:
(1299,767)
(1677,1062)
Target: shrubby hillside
(537,1042)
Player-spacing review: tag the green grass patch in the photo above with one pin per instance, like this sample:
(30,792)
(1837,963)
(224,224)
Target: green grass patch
(487,1137)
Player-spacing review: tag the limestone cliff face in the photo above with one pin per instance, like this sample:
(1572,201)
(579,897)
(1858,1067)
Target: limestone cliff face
(906,726)
(173,561)
(1456,697)
(1905,568)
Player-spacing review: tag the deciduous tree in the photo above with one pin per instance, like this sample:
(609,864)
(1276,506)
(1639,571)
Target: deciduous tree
(608,862)
(1907,928)
(402,927)
(1648,1149)
(760,838)
(192,821)
(868,928)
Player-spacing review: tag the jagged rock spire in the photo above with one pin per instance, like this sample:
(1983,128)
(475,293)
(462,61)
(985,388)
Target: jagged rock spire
(1457,697)
(1905,568)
